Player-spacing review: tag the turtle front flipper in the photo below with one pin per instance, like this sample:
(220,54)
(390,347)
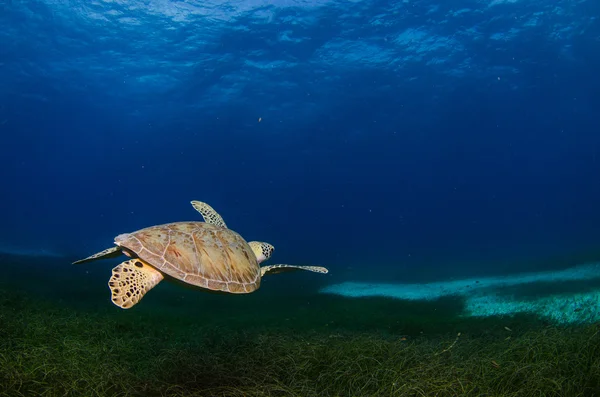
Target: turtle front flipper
(262,251)
(209,214)
(273,269)
(130,281)
(111,252)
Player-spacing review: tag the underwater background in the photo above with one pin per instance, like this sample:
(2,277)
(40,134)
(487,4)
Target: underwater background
(441,159)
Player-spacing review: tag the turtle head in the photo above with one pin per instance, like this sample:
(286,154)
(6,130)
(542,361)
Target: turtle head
(263,251)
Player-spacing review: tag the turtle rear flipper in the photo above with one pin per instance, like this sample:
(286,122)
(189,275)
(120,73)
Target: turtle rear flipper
(274,269)
(111,252)
(130,281)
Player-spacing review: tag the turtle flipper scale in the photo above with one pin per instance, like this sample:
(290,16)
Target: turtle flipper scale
(274,269)
(130,281)
(111,252)
(208,213)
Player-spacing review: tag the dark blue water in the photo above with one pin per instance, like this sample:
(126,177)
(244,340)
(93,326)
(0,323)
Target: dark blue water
(373,137)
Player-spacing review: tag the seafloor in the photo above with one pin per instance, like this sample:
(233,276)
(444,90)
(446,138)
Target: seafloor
(61,336)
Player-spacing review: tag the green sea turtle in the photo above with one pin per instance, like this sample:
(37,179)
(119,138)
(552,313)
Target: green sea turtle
(203,254)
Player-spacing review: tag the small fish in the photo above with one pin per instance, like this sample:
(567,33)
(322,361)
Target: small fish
(508,329)
(495,364)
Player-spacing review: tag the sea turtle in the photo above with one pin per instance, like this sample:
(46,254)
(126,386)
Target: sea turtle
(203,254)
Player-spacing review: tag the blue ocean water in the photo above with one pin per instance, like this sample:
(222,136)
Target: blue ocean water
(439,158)
(394,141)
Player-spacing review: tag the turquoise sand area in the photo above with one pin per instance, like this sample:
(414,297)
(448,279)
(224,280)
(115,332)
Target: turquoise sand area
(566,296)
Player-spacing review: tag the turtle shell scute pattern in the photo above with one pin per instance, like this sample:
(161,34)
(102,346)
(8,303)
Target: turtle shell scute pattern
(197,253)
